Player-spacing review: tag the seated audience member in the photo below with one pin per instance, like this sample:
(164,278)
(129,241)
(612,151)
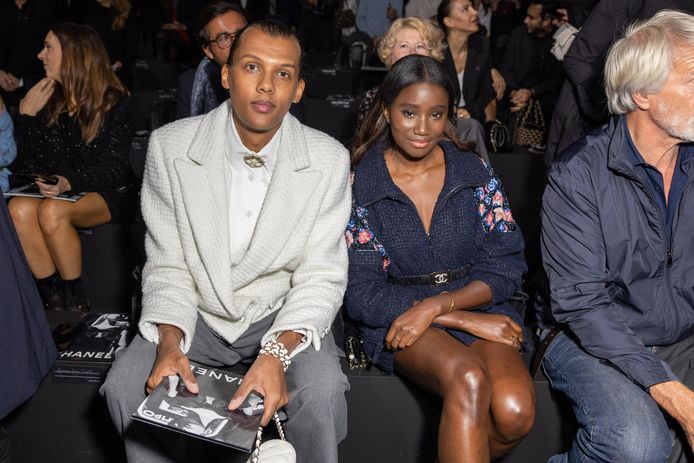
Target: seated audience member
(416,36)
(430,285)
(404,37)
(468,60)
(200,90)
(245,211)
(375,16)
(8,147)
(113,21)
(617,247)
(530,69)
(23,25)
(74,124)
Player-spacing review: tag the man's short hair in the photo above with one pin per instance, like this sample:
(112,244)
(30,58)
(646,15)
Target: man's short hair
(211,11)
(271,28)
(641,61)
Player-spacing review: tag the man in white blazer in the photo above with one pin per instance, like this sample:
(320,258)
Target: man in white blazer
(245,211)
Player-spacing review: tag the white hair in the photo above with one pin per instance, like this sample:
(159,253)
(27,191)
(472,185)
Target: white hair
(641,61)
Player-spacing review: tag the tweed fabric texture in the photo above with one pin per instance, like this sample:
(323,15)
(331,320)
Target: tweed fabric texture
(471,225)
(296,263)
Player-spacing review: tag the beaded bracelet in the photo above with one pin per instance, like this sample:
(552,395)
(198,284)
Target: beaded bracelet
(276,349)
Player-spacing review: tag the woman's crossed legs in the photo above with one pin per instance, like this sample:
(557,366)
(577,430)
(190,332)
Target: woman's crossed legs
(488,395)
(47,231)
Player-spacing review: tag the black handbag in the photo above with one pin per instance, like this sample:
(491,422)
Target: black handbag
(357,358)
(497,136)
(530,125)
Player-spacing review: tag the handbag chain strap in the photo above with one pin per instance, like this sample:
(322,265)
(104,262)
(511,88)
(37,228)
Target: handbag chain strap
(259,437)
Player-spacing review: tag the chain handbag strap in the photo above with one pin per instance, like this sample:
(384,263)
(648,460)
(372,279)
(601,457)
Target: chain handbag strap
(259,437)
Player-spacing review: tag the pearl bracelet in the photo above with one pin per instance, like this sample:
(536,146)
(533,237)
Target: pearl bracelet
(276,349)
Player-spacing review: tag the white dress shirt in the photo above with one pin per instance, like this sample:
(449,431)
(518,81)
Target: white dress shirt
(247,188)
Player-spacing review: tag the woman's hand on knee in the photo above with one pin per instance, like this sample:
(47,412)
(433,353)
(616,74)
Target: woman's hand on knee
(408,327)
(493,327)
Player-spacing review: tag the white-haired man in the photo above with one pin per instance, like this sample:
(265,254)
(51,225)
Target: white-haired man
(618,247)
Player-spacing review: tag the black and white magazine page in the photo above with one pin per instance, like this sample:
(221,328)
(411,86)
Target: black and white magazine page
(205,414)
(95,338)
(32,191)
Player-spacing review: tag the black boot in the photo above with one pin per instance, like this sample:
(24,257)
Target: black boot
(75,300)
(51,292)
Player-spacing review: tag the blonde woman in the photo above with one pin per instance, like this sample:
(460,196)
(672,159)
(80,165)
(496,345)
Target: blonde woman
(73,125)
(407,36)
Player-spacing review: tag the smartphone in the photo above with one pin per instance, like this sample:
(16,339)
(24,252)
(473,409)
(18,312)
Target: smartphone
(47,179)
(31,177)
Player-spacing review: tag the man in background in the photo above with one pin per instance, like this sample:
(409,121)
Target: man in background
(200,90)
(528,66)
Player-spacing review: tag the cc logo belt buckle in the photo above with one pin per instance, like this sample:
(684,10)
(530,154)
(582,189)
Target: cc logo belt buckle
(440,278)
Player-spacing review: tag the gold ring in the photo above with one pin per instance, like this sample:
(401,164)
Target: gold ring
(397,338)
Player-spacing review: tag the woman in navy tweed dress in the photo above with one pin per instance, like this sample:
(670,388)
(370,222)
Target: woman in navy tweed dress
(434,257)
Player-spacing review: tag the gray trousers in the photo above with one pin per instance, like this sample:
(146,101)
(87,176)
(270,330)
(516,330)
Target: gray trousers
(316,412)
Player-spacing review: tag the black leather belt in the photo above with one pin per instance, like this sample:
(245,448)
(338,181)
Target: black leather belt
(542,348)
(433,279)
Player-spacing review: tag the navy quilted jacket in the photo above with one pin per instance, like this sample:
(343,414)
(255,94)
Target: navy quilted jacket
(471,225)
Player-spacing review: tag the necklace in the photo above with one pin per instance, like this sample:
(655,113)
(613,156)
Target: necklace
(253,161)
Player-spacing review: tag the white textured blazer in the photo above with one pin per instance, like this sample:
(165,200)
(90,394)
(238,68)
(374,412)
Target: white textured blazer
(296,263)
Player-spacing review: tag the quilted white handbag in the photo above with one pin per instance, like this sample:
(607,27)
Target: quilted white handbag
(274,450)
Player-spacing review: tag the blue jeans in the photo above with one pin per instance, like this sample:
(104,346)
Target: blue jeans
(618,421)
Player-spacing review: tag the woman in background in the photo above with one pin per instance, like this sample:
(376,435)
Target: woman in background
(404,37)
(468,61)
(116,27)
(434,256)
(74,125)
(408,36)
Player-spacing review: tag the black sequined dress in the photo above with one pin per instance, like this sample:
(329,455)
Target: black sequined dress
(101,166)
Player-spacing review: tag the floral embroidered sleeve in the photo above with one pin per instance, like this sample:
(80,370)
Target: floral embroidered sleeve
(493,207)
(361,237)
(500,262)
(370,299)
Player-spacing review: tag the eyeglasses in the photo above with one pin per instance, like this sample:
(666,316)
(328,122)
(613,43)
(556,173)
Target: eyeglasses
(224,39)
